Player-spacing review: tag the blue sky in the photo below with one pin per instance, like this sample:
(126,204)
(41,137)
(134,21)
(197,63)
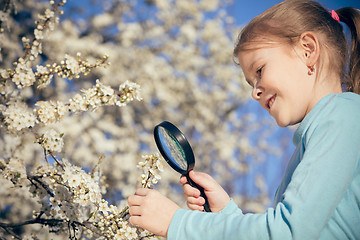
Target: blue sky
(245,10)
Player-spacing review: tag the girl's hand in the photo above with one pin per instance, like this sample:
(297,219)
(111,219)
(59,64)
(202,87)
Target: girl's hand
(151,210)
(216,195)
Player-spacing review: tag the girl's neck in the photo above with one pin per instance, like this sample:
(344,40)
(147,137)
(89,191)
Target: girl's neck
(325,86)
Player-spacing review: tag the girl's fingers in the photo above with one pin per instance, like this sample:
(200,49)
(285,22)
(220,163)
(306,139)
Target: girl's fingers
(142,191)
(196,201)
(135,220)
(190,191)
(195,207)
(135,200)
(135,211)
(183,180)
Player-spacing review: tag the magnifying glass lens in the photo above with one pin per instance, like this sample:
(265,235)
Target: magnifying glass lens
(172,148)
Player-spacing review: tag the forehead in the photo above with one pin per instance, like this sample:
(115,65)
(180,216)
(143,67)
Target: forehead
(248,58)
(261,50)
(251,60)
(245,57)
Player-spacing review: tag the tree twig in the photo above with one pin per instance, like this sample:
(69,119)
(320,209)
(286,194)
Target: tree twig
(43,185)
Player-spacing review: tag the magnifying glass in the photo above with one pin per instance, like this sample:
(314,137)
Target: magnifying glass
(177,152)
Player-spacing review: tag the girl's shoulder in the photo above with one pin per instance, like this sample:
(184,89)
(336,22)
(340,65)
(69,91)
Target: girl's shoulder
(346,102)
(348,96)
(343,107)
(335,114)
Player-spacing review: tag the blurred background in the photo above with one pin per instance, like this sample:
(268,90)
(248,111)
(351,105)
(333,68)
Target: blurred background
(180,53)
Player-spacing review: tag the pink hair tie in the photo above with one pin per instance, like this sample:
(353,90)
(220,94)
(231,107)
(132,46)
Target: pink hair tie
(335,16)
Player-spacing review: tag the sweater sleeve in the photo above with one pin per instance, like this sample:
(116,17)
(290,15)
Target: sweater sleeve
(318,184)
(231,208)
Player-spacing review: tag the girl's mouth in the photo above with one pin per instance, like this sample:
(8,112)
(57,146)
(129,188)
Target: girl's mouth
(270,102)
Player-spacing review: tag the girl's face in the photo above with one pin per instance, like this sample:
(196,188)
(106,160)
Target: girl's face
(280,81)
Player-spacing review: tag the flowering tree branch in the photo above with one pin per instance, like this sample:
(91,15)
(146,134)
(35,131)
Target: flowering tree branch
(65,189)
(36,180)
(9,227)
(70,198)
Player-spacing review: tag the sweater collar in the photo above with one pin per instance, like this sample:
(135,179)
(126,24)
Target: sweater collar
(309,118)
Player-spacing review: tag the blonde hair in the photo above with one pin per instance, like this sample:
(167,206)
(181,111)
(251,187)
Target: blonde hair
(286,21)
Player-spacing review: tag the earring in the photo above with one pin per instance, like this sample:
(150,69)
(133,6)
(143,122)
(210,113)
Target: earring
(311,70)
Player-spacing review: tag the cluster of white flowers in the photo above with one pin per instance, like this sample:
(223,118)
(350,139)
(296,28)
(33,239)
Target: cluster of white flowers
(24,75)
(151,168)
(74,193)
(101,95)
(14,171)
(4,73)
(50,112)
(126,232)
(18,116)
(43,75)
(45,24)
(34,48)
(128,91)
(73,65)
(85,187)
(110,220)
(52,141)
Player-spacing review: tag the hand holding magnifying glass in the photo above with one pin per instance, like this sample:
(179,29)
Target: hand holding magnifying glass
(177,152)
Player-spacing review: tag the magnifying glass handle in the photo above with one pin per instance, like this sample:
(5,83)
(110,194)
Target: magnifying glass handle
(202,192)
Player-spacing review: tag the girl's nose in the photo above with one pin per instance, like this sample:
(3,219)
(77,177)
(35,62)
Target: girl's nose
(256,93)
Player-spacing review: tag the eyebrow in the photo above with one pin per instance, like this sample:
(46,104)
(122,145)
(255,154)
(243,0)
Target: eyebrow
(252,65)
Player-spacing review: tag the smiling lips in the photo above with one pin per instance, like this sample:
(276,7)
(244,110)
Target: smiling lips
(270,102)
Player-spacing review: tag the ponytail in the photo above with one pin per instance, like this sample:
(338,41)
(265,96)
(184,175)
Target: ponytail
(351,17)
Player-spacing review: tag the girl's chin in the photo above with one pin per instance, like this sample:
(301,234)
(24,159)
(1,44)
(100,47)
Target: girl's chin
(280,122)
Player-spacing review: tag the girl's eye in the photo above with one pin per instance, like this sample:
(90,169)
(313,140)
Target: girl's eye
(259,71)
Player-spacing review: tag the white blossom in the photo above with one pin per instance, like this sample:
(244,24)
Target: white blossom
(72,64)
(74,180)
(52,140)
(38,34)
(151,168)
(18,116)
(128,92)
(24,75)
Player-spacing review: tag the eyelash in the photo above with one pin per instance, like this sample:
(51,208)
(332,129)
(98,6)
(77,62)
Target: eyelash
(259,71)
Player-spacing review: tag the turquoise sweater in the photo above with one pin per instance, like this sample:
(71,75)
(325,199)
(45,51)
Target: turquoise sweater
(319,196)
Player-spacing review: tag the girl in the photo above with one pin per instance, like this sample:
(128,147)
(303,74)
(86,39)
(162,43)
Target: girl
(295,57)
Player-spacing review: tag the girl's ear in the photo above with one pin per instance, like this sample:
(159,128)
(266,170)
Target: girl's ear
(309,47)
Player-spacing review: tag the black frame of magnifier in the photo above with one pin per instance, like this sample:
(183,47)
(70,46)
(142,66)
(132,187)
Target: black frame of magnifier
(189,155)
(180,137)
